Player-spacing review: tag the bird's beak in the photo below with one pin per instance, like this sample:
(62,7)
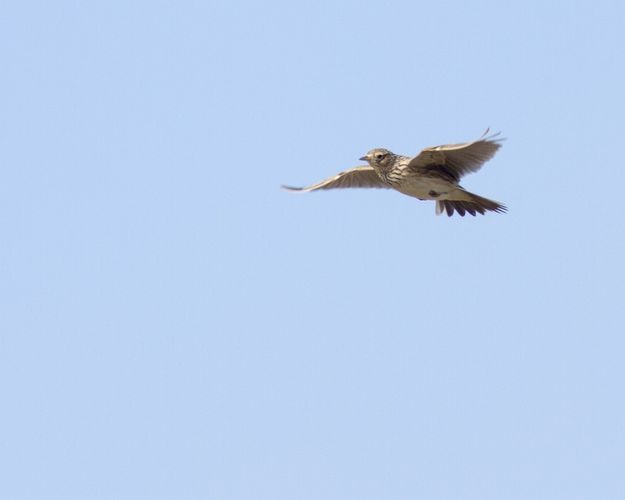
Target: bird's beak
(364,158)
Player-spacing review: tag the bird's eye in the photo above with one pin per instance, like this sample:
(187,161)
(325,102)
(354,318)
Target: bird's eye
(379,155)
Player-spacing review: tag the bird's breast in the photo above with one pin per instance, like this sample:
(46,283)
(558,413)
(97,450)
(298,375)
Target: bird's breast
(424,188)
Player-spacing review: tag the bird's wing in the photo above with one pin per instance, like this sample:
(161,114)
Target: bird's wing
(456,160)
(357,177)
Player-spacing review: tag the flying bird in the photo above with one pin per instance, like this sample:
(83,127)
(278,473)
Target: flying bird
(434,174)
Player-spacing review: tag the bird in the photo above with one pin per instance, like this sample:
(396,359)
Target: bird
(434,174)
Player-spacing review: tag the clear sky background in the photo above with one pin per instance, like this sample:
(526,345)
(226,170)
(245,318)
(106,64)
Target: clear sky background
(173,325)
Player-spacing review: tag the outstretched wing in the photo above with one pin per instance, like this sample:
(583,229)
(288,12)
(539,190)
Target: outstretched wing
(452,161)
(357,177)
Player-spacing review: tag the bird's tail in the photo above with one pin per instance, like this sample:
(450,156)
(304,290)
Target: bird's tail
(470,203)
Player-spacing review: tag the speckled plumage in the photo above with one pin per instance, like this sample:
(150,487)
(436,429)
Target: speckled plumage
(434,174)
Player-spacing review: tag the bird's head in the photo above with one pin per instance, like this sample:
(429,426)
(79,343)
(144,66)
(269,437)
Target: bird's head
(378,157)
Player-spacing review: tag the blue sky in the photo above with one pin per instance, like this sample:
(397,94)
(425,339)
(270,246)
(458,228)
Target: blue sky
(173,325)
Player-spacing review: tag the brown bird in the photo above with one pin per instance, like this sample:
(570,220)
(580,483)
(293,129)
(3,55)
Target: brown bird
(434,174)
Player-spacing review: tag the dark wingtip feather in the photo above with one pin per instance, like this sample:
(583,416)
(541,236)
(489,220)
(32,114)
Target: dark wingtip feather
(492,137)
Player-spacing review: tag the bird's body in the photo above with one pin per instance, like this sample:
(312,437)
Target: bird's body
(398,176)
(433,174)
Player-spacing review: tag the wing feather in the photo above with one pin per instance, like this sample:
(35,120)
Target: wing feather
(456,160)
(357,177)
